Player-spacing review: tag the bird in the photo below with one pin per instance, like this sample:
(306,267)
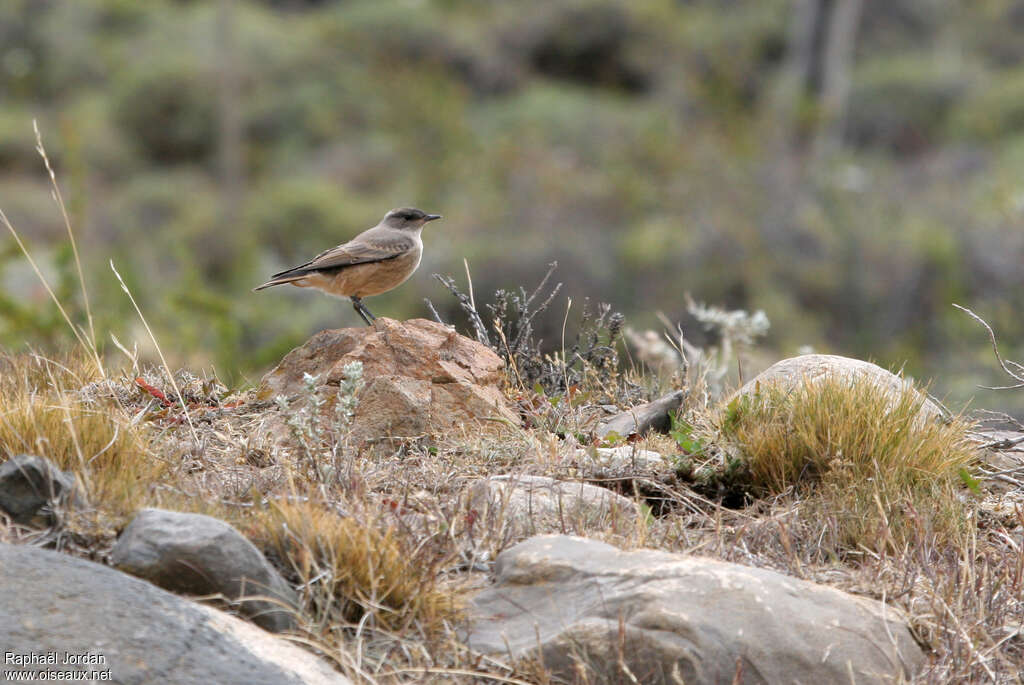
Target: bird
(375,261)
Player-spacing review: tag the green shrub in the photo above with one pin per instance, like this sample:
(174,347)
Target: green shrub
(169,109)
(903,104)
(994,111)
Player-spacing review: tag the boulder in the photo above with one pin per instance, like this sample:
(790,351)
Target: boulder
(33,489)
(419,376)
(645,474)
(538,504)
(791,373)
(648,616)
(126,630)
(199,555)
(656,415)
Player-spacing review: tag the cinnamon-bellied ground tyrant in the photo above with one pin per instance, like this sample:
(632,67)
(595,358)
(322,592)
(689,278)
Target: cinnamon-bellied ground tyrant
(374,262)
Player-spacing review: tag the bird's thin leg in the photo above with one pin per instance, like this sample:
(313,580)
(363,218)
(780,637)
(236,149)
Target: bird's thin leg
(366,310)
(361,309)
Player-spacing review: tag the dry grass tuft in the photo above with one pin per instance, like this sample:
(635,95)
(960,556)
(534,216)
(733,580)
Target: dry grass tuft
(42,413)
(355,571)
(869,464)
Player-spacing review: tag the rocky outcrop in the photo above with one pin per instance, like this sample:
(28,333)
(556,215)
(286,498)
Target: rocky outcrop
(33,490)
(419,377)
(654,617)
(793,372)
(54,605)
(200,555)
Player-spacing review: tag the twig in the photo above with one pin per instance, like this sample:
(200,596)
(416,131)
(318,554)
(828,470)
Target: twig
(997,417)
(526,323)
(540,286)
(995,350)
(1006,472)
(430,306)
(1004,444)
(467,306)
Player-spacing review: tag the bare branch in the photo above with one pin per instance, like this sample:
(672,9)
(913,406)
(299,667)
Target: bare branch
(1018,376)
(467,306)
(540,286)
(433,311)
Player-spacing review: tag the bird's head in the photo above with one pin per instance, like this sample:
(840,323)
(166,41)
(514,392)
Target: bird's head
(407,218)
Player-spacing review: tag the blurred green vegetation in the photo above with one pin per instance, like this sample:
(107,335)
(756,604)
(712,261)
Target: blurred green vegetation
(638,142)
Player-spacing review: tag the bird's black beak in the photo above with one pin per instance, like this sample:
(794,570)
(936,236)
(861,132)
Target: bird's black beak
(431,217)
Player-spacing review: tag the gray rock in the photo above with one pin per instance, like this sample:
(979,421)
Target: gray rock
(625,459)
(538,504)
(201,555)
(57,604)
(793,372)
(639,420)
(669,618)
(33,489)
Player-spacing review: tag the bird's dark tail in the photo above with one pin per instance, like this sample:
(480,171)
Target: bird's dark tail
(280,280)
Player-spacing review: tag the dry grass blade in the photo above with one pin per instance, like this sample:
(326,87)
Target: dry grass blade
(46,285)
(59,199)
(88,344)
(163,359)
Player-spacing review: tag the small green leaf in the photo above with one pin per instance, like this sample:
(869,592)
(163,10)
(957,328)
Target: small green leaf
(733,413)
(611,439)
(972,483)
(682,433)
(646,514)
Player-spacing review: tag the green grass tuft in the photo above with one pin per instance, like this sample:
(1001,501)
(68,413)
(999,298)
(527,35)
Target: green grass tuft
(867,462)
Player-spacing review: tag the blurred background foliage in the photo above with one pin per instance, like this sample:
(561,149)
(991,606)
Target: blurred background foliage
(850,167)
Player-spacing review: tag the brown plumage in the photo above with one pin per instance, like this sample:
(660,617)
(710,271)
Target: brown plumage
(374,262)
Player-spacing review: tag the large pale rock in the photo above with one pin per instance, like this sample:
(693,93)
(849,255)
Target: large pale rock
(538,504)
(201,555)
(791,373)
(57,604)
(670,618)
(419,376)
(624,459)
(33,489)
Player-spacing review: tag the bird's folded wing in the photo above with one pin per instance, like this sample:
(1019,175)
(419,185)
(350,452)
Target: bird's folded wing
(362,252)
